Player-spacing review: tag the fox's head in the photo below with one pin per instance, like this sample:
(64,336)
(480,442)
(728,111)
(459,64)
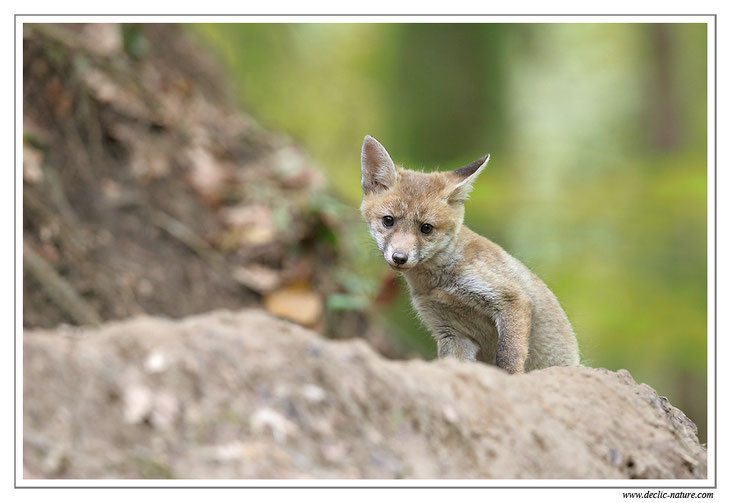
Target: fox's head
(412,216)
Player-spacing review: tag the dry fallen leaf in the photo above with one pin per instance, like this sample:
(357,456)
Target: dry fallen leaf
(102,38)
(206,173)
(257,277)
(32,159)
(259,235)
(255,222)
(296,302)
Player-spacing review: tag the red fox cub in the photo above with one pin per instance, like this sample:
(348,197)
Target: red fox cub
(479,302)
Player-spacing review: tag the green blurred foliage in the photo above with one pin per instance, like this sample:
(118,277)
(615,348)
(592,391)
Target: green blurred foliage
(598,174)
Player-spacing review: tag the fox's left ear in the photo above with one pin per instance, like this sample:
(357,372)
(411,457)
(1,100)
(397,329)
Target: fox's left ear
(465,177)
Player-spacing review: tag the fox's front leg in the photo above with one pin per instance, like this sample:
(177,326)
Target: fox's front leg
(511,311)
(456,346)
(513,322)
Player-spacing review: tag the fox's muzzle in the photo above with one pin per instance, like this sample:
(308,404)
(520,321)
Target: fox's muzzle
(402,250)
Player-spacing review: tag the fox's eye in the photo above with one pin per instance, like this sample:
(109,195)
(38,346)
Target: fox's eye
(427,228)
(388,220)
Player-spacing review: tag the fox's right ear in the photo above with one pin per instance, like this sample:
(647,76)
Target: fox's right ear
(378,172)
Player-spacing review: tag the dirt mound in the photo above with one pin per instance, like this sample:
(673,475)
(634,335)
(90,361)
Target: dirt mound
(245,395)
(146,191)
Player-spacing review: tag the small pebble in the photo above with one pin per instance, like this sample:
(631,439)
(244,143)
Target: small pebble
(615,457)
(313,393)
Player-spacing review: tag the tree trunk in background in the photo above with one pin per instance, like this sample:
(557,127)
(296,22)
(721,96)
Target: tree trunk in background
(665,129)
(439,100)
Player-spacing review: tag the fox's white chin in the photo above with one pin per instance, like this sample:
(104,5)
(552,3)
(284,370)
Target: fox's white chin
(397,267)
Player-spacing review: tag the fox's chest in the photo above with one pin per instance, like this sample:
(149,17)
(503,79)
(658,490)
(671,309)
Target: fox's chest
(444,310)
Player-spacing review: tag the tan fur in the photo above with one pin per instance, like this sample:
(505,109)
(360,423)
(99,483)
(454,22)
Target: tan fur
(479,302)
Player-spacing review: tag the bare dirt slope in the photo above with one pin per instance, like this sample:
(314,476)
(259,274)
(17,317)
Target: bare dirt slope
(245,395)
(146,191)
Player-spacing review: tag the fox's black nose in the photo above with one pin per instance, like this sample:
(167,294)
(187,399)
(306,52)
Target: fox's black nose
(400,258)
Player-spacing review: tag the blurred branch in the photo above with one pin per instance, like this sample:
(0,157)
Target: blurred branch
(75,241)
(58,197)
(185,235)
(58,289)
(76,247)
